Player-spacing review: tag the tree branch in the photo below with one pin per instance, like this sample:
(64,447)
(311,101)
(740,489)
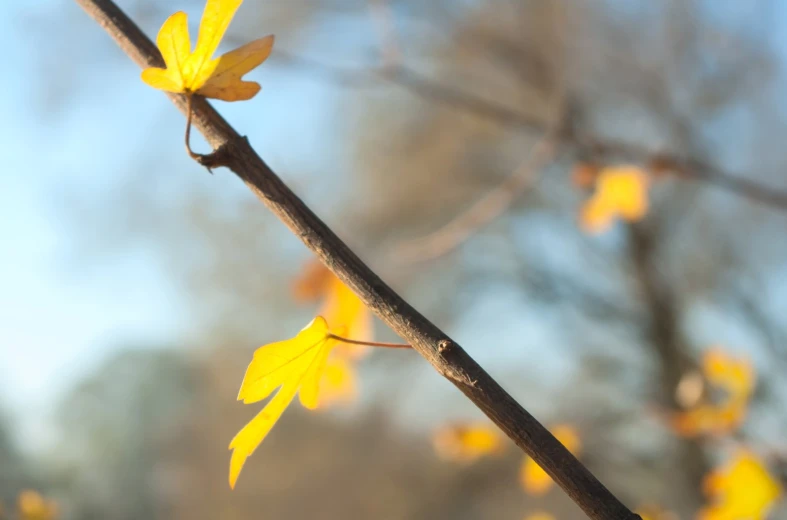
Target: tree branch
(484,211)
(447,357)
(605,149)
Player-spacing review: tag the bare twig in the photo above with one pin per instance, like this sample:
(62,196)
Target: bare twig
(447,357)
(382,16)
(483,212)
(604,149)
(369,343)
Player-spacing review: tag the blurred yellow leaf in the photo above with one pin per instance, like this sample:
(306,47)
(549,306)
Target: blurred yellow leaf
(32,506)
(541,515)
(198,72)
(339,384)
(736,379)
(467,442)
(735,376)
(293,366)
(621,192)
(340,306)
(534,479)
(742,489)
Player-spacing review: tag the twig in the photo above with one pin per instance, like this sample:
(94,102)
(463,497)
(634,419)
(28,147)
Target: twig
(369,343)
(447,357)
(483,212)
(189,110)
(382,16)
(605,149)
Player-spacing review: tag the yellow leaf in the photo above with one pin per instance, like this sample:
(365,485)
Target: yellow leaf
(32,506)
(467,442)
(741,489)
(535,480)
(621,192)
(340,306)
(293,366)
(736,378)
(198,72)
(339,384)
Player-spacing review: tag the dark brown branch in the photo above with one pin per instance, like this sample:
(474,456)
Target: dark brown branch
(604,149)
(665,337)
(448,358)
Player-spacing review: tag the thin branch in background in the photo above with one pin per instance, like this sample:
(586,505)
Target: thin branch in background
(611,150)
(382,16)
(483,212)
(446,356)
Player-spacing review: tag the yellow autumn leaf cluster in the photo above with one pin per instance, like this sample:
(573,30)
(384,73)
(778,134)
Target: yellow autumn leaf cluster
(313,364)
(532,477)
(197,72)
(290,367)
(32,506)
(736,379)
(466,442)
(620,192)
(348,317)
(742,489)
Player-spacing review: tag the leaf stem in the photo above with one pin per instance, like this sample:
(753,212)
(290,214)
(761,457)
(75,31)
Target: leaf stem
(189,97)
(369,343)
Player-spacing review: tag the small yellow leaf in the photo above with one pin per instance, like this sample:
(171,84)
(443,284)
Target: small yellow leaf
(198,72)
(340,306)
(291,366)
(216,19)
(736,378)
(467,442)
(225,83)
(32,506)
(533,478)
(621,192)
(743,489)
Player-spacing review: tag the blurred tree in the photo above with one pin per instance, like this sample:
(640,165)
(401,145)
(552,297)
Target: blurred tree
(112,425)
(15,471)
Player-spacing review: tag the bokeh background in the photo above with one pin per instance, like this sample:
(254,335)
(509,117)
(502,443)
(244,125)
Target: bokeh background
(135,285)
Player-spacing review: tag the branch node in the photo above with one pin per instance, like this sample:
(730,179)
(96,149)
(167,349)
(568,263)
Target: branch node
(443,346)
(216,159)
